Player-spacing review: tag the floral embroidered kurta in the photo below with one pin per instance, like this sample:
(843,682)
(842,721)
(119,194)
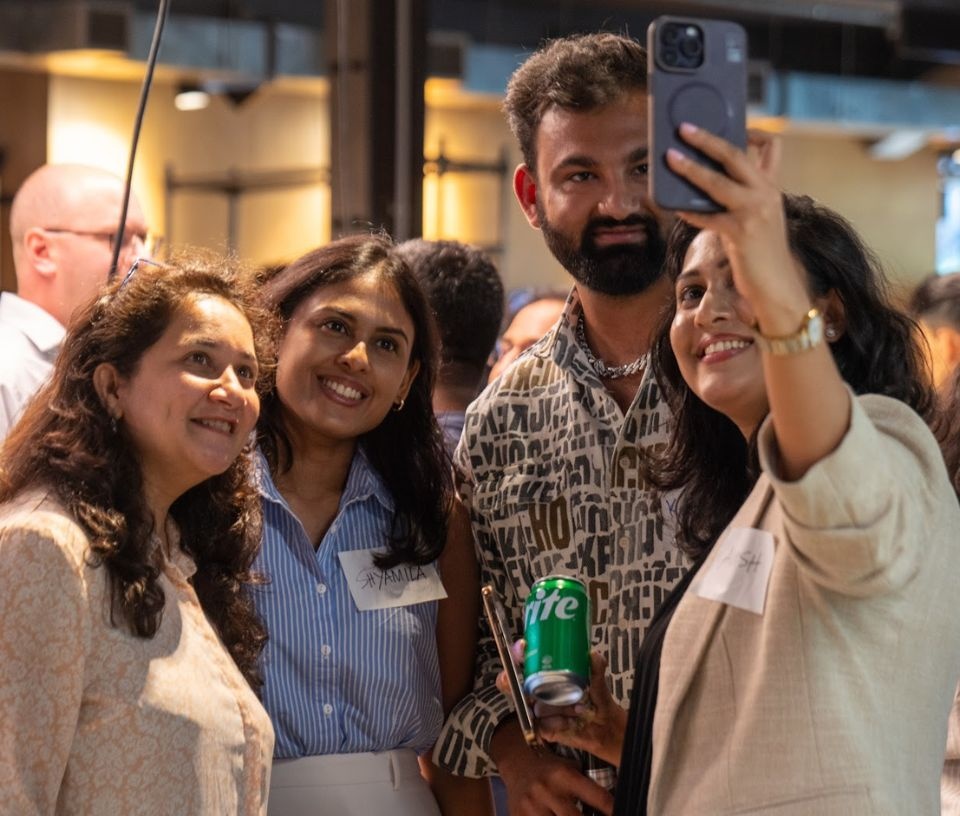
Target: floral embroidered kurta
(96,720)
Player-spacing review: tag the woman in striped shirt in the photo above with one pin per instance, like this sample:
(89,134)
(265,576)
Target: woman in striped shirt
(363,657)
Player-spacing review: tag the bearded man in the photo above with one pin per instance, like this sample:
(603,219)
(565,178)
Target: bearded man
(553,460)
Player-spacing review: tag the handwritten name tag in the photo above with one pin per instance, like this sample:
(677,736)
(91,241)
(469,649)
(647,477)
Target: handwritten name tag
(374,588)
(740,571)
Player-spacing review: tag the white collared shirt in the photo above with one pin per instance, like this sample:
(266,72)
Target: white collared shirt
(29,341)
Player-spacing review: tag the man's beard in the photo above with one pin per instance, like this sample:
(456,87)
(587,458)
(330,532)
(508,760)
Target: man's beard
(621,269)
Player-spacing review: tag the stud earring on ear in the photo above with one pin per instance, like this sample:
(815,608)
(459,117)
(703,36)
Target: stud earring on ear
(831,333)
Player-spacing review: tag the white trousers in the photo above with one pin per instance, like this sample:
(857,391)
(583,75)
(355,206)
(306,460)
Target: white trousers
(351,785)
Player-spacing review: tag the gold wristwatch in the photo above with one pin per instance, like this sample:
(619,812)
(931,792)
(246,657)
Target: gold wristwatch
(809,335)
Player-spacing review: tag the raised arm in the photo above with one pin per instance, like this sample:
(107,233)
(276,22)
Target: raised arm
(857,530)
(809,402)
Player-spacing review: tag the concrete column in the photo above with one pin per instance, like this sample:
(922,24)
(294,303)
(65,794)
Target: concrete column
(377,68)
(23,145)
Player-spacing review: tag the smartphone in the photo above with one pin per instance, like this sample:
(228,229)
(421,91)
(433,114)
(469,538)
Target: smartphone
(697,73)
(497,618)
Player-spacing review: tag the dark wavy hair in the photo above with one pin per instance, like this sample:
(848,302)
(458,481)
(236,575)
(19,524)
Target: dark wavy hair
(406,448)
(65,444)
(879,352)
(581,72)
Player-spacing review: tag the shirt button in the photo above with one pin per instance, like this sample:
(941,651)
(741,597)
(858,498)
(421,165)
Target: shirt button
(321,589)
(327,709)
(624,541)
(325,650)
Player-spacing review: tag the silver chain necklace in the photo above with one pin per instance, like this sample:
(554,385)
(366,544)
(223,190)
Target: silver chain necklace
(604,371)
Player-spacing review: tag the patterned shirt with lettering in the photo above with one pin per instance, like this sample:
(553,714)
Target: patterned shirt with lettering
(552,471)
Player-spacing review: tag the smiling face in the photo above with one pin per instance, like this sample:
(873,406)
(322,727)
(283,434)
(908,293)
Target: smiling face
(191,404)
(712,336)
(589,196)
(344,361)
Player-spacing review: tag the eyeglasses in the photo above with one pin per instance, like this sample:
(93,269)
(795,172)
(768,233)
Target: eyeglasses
(133,270)
(149,241)
(105,299)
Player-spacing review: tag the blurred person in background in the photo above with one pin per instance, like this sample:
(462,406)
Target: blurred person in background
(947,429)
(466,296)
(63,226)
(128,526)
(531,318)
(942,346)
(936,305)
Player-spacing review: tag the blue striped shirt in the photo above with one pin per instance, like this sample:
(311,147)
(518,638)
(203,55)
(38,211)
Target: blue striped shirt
(338,680)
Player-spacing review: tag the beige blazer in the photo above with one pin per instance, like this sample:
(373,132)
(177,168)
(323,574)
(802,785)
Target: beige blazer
(835,699)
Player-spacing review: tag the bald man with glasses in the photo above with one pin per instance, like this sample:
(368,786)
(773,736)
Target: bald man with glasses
(63,225)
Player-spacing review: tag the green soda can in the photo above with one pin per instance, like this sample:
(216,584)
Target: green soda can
(556,665)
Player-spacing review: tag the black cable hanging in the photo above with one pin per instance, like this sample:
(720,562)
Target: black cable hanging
(162,13)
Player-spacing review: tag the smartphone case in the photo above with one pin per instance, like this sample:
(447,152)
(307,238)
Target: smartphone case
(497,618)
(712,96)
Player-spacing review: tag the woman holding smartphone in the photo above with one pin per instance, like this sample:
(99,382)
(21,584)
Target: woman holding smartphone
(808,661)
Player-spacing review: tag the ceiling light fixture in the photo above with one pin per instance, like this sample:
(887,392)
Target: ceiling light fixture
(191,98)
(898,145)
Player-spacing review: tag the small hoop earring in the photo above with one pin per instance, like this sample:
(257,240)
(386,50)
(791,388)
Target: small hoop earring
(398,406)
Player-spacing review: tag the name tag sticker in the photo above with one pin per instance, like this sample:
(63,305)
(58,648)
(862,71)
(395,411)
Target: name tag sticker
(740,571)
(403,585)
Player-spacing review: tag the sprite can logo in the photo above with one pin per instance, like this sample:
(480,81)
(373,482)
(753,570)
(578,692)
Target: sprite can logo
(556,627)
(541,606)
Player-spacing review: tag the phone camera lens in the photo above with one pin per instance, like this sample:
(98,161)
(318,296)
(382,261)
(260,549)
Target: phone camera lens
(680,46)
(671,33)
(691,46)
